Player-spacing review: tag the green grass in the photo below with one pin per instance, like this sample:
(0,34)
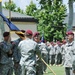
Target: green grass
(59,70)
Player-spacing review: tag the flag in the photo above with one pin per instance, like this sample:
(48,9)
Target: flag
(42,38)
(9,23)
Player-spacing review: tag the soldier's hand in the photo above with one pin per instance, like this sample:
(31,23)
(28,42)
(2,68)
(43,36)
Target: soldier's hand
(9,40)
(1,45)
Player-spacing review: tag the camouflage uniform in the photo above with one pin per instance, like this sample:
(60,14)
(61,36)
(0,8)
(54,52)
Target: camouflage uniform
(6,64)
(28,49)
(73,66)
(58,51)
(52,54)
(16,57)
(63,53)
(69,57)
(48,49)
(41,67)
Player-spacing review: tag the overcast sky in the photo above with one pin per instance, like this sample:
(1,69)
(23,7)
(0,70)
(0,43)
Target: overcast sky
(23,3)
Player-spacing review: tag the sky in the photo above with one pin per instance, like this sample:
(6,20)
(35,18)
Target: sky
(23,3)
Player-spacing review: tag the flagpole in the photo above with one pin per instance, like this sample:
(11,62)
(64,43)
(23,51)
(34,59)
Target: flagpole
(1,22)
(10,14)
(10,11)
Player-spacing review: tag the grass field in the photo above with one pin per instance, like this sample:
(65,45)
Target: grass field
(59,70)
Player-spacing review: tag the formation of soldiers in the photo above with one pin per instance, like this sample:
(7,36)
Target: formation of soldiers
(56,53)
(23,55)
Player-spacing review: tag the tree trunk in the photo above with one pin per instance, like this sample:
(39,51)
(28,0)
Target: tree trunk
(70,19)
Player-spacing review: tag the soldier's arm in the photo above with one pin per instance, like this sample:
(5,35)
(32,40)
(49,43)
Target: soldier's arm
(16,54)
(7,48)
(37,51)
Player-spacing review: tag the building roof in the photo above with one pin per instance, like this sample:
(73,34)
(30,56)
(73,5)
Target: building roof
(15,16)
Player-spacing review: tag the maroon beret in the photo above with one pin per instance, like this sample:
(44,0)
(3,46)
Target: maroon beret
(52,42)
(29,32)
(69,33)
(36,34)
(58,42)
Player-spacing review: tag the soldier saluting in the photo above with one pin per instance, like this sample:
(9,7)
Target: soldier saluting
(6,65)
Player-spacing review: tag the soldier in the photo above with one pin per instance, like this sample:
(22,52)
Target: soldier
(17,54)
(69,53)
(58,53)
(52,53)
(6,64)
(28,49)
(63,50)
(41,67)
(48,48)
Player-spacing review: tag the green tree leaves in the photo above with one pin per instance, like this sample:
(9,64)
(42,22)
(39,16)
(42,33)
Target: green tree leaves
(12,6)
(51,16)
(30,10)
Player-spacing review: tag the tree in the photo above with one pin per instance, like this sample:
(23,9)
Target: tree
(30,10)
(50,16)
(12,6)
(19,10)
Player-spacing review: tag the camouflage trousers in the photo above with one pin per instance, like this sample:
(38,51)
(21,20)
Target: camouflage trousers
(68,71)
(28,70)
(6,69)
(39,67)
(45,58)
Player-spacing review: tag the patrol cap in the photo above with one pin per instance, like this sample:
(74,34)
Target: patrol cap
(6,34)
(36,34)
(69,33)
(29,32)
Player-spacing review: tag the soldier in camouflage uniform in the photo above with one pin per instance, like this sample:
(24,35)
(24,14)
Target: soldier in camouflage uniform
(52,53)
(17,55)
(69,53)
(41,67)
(6,64)
(29,49)
(63,50)
(48,49)
(58,53)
